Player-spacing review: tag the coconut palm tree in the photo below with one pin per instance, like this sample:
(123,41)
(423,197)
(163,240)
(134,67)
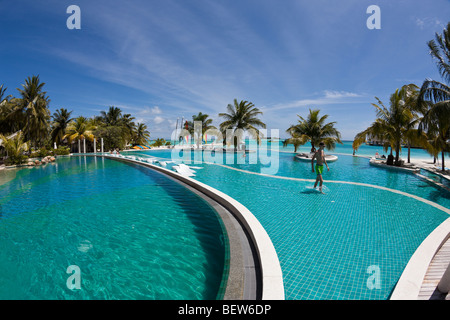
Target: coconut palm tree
(112,117)
(128,127)
(3,95)
(123,123)
(6,108)
(395,124)
(242,116)
(159,142)
(61,119)
(315,130)
(206,126)
(77,130)
(437,118)
(379,129)
(141,134)
(295,140)
(204,119)
(411,134)
(31,110)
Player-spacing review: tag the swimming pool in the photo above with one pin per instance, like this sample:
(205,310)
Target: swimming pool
(133,232)
(329,245)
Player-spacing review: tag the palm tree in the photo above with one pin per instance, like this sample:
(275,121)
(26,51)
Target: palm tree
(6,108)
(437,118)
(379,129)
(242,116)
(15,147)
(206,125)
(128,127)
(159,142)
(141,134)
(112,117)
(295,139)
(411,135)
(3,96)
(123,123)
(315,130)
(61,119)
(31,110)
(395,124)
(77,130)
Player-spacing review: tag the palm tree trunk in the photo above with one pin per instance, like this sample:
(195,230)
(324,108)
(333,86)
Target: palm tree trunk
(397,151)
(443,164)
(409,152)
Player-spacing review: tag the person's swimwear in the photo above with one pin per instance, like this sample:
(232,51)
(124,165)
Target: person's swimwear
(319,169)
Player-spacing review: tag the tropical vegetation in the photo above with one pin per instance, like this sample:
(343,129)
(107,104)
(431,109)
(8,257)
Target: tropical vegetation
(315,130)
(417,117)
(28,128)
(436,95)
(395,125)
(241,117)
(15,146)
(206,126)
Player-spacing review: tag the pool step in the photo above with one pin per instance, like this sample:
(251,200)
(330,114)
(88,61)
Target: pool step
(432,181)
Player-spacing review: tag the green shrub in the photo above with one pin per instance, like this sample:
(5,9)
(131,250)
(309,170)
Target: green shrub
(13,160)
(41,153)
(62,151)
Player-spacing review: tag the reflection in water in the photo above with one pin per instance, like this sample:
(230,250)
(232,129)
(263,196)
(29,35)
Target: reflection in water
(7,175)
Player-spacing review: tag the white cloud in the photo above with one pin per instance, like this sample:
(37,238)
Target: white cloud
(426,22)
(328,97)
(158,119)
(340,94)
(156,110)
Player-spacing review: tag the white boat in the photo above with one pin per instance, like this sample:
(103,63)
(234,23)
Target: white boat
(308,157)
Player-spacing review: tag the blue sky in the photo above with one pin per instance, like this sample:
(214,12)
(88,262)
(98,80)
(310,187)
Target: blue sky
(167,59)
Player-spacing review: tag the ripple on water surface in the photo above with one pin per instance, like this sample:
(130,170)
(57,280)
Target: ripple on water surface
(134,234)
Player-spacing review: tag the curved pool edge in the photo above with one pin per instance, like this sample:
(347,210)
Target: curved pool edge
(410,282)
(271,278)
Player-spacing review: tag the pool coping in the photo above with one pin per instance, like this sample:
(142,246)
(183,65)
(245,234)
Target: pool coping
(272,287)
(382,164)
(242,271)
(410,282)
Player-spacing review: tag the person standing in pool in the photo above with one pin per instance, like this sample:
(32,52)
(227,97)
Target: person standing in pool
(320,160)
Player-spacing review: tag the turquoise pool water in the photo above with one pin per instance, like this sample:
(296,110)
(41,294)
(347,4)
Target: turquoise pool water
(327,244)
(363,150)
(346,148)
(134,234)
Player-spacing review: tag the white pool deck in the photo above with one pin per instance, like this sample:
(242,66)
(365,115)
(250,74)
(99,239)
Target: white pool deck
(438,266)
(425,268)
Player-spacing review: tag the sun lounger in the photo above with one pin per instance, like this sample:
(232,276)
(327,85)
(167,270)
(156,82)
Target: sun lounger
(184,170)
